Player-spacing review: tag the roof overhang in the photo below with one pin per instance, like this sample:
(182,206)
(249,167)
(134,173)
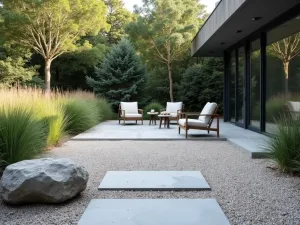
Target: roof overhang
(233,20)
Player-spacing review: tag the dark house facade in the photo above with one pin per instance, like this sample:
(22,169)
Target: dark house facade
(260,43)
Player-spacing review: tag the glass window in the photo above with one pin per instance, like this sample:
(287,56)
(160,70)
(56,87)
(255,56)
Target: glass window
(255,84)
(240,90)
(232,86)
(283,69)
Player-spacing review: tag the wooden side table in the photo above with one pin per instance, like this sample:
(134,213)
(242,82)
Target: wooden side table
(152,117)
(166,119)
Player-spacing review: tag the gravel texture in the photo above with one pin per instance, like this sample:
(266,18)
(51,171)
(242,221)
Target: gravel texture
(248,191)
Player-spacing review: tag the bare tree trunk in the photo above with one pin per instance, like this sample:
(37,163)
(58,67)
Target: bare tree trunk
(286,73)
(171,81)
(47,76)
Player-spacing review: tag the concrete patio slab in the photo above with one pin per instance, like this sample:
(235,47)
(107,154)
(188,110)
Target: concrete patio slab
(247,140)
(154,180)
(153,212)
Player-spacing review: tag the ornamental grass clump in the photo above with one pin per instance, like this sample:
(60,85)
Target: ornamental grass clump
(81,115)
(284,148)
(22,134)
(105,109)
(31,122)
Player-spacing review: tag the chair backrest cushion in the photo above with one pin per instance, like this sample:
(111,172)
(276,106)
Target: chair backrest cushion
(130,107)
(173,107)
(209,108)
(294,108)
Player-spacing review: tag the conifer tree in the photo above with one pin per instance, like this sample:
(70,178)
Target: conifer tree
(121,76)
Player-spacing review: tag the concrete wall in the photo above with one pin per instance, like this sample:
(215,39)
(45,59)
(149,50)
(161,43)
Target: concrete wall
(220,15)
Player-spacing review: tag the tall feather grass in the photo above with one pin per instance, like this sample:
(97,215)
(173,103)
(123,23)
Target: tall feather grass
(31,122)
(284,148)
(22,134)
(82,115)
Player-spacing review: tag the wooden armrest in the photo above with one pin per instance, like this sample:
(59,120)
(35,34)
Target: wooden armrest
(190,113)
(141,110)
(197,114)
(214,115)
(121,112)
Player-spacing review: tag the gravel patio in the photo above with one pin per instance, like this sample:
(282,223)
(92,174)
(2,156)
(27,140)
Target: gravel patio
(247,190)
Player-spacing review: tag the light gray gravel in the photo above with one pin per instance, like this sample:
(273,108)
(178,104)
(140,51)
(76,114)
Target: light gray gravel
(248,191)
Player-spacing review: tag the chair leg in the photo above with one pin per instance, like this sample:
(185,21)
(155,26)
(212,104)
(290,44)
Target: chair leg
(178,129)
(186,133)
(142,122)
(124,122)
(119,121)
(136,122)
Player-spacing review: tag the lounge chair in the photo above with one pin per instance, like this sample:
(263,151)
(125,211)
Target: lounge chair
(203,122)
(174,108)
(129,111)
(293,109)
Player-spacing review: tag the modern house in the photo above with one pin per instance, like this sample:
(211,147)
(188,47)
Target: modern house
(260,43)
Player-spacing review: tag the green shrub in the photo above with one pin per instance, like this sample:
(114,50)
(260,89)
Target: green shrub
(106,112)
(81,115)
(284,148)
(154,105)
(201,84)
(22,134)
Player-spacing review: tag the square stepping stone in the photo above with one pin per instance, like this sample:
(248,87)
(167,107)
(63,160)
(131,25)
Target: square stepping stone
(154,180)
(153,212)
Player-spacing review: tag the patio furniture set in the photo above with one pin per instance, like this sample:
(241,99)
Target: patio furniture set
(128,111)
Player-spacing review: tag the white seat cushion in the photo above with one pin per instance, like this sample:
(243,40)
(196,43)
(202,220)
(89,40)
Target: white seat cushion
(294,108)
(130,107)
(173,114)
(192,122)
(209,108)
(173,107)
(129,115)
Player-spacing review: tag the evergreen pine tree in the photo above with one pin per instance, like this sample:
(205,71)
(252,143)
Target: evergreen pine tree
(121,76)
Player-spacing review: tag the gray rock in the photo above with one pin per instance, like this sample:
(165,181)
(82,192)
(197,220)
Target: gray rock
(44,180)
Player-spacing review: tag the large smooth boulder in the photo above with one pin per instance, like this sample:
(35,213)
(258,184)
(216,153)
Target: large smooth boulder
(43,180)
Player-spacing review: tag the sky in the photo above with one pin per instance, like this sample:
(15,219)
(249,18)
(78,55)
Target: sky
(209,3)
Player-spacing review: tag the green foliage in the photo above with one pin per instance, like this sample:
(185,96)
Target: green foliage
(12,71)
(81,114)
(118,17)
(12,66)
(51,27)
(22,135)
(164,30)
(106,112)
(284,148)
(66,20)
(153,105)
(202,83)
(121,76)
(36,81)
(69,70)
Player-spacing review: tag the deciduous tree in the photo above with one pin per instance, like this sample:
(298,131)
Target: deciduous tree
(164,30)
(118,17)
(287,49)
(51,27)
